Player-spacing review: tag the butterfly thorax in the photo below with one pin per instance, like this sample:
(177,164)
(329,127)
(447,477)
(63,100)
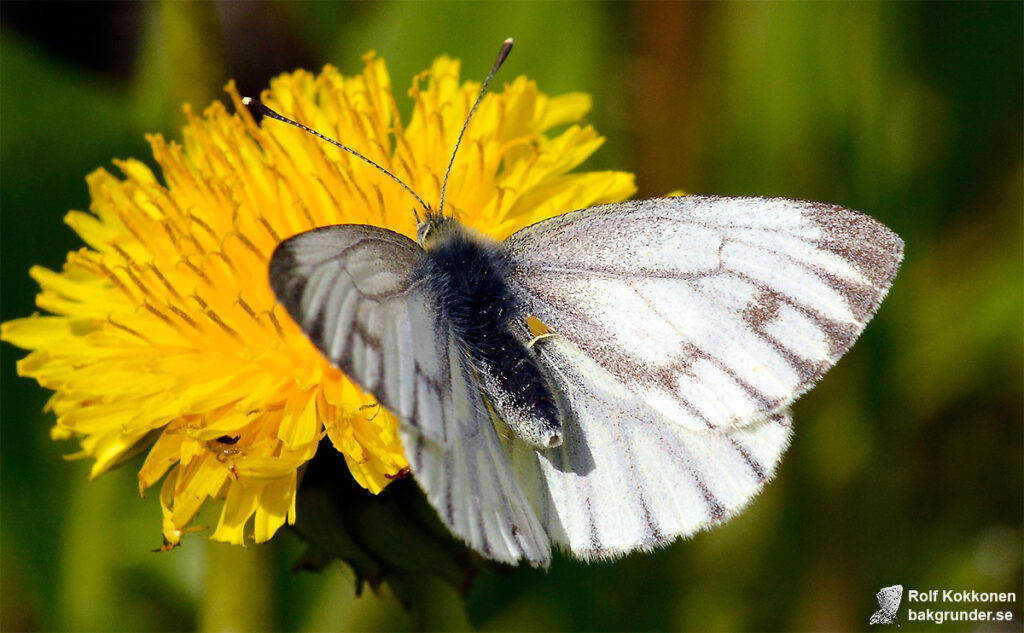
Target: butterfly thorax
(468,275)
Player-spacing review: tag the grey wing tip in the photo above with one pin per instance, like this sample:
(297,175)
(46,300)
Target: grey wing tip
(288,287)
(874,248)
(281,260)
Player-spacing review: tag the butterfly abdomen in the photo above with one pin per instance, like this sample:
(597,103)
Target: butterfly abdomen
(469,280)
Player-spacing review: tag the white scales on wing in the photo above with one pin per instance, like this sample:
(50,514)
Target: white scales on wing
(681,330)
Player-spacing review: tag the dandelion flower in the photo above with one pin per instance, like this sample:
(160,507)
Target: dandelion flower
(163,334)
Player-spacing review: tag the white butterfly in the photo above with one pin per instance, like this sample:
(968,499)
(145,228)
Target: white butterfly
(889,600)
(682,329)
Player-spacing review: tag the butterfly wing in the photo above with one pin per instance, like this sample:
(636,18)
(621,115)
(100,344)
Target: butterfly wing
(359,295)
(889,598)
(684,328)
(715,311)
(627,477)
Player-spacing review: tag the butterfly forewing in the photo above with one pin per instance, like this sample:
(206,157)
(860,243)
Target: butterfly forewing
(889,600)
(353,291)
(359,295)
(715,311)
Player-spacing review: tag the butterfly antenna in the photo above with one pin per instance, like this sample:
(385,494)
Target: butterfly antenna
(256,107)
(502,54)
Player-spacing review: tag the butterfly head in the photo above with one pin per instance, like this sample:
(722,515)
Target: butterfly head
(435,229)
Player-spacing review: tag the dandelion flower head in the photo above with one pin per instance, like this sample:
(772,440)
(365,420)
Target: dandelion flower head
(163,334)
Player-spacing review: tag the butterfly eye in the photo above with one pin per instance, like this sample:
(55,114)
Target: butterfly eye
(433,229)
(423,231)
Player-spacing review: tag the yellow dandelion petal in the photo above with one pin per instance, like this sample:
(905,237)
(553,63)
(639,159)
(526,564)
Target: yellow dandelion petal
(563,109)
(276,505)
(166,452)
(241,503)
(165,335)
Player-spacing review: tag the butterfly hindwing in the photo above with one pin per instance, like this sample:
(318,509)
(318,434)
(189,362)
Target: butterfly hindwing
(467,476)
(715,311)
(359,295)
(626,477)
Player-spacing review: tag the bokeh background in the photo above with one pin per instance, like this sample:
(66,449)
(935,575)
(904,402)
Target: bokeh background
(907,461)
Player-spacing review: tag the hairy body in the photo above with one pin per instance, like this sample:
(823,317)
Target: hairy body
(468,276)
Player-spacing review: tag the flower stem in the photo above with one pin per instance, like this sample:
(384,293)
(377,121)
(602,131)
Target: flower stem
(241,589)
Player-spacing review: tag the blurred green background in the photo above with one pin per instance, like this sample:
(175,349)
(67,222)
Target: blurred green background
(906,465)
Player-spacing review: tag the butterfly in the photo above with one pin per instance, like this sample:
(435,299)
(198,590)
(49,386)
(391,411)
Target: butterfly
(889,600)
(603,381)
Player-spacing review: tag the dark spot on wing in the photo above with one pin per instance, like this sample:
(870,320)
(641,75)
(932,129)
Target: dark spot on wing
(715,508)
(873,249)
(594,539)
(286,284)
(654,533)
(485,543)
(289,290)
(862,300)
(449,505)
(754,465)
(838,336)
(417,454)
(520,541)
(668,375)
(369,338)
(316,330)
(762,310)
